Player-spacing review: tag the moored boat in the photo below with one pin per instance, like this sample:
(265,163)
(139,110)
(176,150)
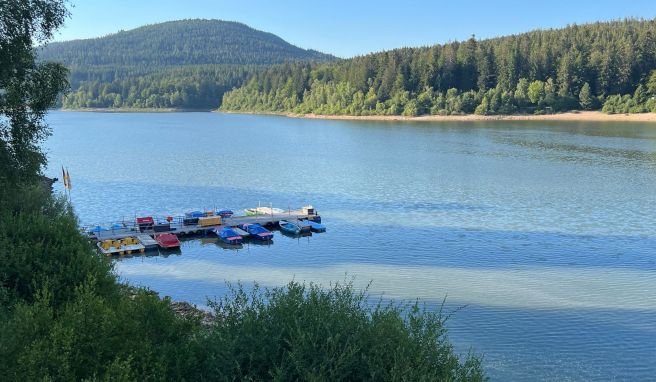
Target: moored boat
(145,223)
(314,226)
(258,232)
(225,213)
(123,246)
(262,211)
(289,227)
(305,228)
(167,240)
(228,235)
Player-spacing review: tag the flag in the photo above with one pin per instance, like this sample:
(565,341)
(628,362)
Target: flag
(68,180)
(64,178)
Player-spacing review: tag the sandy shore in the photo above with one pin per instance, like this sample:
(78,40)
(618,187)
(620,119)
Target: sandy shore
(593,116)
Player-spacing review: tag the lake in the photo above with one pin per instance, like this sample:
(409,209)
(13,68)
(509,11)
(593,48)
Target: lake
(544,233)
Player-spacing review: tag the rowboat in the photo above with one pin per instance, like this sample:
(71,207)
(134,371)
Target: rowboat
(124,246)
(314,226)
(305,227)
(228,235)
(289,227)
(167,241)
(258,232)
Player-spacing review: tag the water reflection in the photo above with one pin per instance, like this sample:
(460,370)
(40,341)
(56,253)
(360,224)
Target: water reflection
(527,287)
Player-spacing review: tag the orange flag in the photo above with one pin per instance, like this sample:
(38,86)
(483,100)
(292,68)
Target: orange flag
(68,180)
(64,178)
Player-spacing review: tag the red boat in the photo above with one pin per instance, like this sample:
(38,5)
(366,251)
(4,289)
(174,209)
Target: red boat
(167,240)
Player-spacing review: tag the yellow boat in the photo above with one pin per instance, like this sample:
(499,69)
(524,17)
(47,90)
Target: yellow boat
(124,246)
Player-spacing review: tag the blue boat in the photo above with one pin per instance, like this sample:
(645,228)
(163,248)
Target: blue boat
(98,229)
(314,226)
(228,235)
(225,213)
(289,227)
(195,214)
(258,232)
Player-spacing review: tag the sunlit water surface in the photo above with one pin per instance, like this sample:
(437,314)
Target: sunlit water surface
(546,231)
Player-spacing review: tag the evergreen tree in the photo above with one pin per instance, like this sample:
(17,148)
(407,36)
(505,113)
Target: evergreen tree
(585,97)
(651,83)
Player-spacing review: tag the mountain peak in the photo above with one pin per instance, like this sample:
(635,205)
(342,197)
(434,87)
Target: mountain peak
(181,42)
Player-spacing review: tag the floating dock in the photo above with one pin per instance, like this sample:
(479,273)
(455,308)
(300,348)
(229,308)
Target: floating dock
(147,241)
(177,226)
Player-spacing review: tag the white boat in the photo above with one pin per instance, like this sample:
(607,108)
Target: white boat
(263,211)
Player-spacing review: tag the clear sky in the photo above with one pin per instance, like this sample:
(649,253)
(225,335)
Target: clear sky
(350,27)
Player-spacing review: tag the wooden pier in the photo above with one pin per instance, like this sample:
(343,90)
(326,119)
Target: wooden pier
(178,227)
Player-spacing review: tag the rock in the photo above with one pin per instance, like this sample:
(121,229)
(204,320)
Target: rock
(185,309)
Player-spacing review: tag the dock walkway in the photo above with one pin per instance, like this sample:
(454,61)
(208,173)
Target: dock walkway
(177,227)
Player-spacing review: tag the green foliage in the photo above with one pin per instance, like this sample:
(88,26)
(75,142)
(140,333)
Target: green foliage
(180,43)
(530,72)
(35,239)
(188,87)
(305,332)
(27,89)
(585,97)
(651,83)
(536,93)
(64,316)
(187,64)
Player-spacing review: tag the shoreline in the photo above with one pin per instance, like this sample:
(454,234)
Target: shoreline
(133,110)
(583,116)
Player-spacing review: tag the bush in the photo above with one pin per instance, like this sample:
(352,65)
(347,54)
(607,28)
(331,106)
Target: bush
(305,332)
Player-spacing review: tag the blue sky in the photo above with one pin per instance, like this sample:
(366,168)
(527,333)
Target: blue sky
(347,28)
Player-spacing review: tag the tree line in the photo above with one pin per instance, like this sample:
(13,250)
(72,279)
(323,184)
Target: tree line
(186,87)
(607,65)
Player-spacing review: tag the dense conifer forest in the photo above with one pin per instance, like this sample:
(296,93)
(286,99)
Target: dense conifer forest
(609,65)
(178,64)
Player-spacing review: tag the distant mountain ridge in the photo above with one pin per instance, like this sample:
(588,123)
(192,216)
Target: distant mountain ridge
(184,64)
(182,42)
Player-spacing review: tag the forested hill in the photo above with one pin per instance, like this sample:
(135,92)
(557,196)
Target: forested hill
(187,64)
(183,42)
(609,64)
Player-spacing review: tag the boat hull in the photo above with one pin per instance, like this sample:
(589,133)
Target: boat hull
(288,227)
(167,241)
(229,236)
(258,232)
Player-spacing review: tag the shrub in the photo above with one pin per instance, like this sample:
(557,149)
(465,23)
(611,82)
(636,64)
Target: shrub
(305,332)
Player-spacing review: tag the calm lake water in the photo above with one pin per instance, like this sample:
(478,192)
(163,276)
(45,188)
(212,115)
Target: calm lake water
(546,231)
